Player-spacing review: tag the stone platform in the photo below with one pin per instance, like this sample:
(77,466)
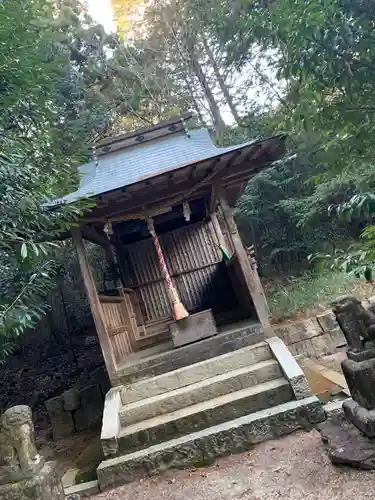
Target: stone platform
(194,414)
(165,357)
(201,448)
(45,485)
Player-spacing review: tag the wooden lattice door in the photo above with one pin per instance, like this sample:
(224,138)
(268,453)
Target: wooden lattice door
(120,324)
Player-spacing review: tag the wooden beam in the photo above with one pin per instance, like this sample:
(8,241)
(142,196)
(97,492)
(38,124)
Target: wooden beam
(94,302)
(251,275)
(245,168)
(91,234)
(182,193)
(185,190)
(193,173)
(138,202)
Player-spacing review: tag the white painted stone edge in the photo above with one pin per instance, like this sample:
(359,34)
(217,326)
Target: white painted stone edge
(111,421)
(83,489)
(69,477)
(333,407)
(290,368)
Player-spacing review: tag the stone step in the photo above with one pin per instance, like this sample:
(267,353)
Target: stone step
(227,341)
(199,416)
(203,390)
(203,447)
(195,373)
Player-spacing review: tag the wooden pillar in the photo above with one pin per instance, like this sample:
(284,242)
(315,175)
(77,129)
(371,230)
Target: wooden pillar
(218,232)
(94,302)
(113,266)
(251,275)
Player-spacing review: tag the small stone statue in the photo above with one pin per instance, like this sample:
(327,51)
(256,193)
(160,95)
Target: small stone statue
(18,456)
(24,475)
(351,434)
(356,322)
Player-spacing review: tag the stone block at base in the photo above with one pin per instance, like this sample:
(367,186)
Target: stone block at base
(346,445)
(360,417)
(61,420)
(202,447)
(91,411)
(193,328)
(45,485)
(361,355)
(82,490)
(359,377)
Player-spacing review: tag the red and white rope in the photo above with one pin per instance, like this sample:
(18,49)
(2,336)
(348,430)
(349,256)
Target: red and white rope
(163,265)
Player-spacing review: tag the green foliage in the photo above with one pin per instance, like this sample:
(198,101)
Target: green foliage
(309,292)
(304,67)
(322,53)
(34,166)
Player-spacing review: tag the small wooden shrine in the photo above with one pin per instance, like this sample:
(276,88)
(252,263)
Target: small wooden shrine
(163,214)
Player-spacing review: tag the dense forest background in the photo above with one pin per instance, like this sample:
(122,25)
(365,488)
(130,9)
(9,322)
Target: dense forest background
(245,67)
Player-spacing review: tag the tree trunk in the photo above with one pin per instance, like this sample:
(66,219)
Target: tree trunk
(214,108)
(199,73)
(188,55)
(223,86)
(194,101)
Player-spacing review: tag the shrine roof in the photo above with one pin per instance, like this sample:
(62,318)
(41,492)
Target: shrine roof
(145,154)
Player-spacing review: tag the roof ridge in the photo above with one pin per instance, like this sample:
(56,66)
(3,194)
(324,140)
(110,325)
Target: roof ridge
(171,125)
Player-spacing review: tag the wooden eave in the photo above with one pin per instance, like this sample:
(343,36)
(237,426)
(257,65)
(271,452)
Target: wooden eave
(188,182)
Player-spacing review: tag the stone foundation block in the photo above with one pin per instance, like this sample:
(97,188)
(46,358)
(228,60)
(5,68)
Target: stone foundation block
(360,378)
(45,485)
(82,490)
(327,321)
(298,331)
(195,327)
(61,420)
(361,355)
(198,448)
(338,338)
(346,444)
(323,345)
(72,400)
(91,410)
(303,348)
(360,417)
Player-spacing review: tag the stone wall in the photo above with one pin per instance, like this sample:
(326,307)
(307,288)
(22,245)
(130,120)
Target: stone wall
(313,337)
(79,408)
(316,336)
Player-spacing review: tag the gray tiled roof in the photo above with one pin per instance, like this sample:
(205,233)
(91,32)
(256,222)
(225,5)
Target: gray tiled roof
(133,164)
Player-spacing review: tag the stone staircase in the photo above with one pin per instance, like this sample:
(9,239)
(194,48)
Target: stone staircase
(192,415)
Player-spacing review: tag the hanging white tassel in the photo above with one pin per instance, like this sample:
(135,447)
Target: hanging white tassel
(95,156)
(186,210)
(108,228)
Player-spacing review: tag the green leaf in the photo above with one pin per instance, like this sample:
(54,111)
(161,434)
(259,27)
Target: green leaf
(24,251)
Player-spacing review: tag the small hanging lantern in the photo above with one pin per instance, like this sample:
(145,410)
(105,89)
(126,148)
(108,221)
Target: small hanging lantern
(95,156)
(187,211)
(186,130)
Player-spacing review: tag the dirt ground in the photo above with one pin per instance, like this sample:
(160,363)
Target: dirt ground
(294,467)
